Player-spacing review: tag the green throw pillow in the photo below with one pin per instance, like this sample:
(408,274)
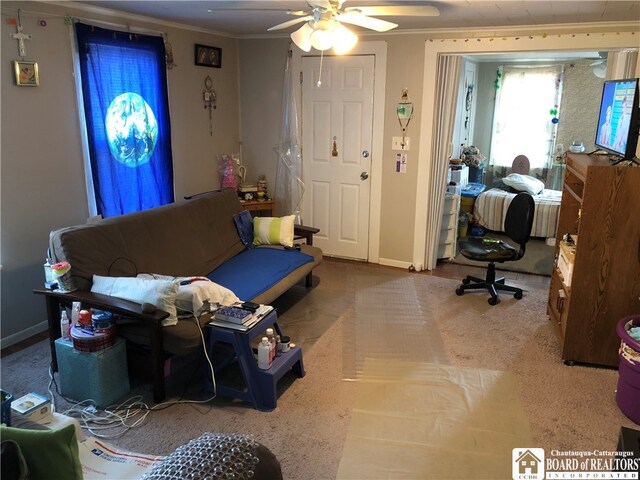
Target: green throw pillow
(273,230)
(49,453)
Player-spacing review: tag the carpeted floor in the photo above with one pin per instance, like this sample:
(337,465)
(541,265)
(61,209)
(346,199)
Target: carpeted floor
(568,408)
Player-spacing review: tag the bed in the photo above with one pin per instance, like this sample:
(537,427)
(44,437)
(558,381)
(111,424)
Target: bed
(491,206)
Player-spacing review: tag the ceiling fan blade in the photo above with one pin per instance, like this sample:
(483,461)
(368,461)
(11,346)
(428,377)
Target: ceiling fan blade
(356,18)
(399,10)
(289,23)
(322,4)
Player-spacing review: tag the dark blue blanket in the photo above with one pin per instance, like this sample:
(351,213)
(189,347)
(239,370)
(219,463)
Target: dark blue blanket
(254,271)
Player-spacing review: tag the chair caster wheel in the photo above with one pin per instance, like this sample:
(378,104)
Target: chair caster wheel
(459,291)
(517,295)
(466,281)
(492,301)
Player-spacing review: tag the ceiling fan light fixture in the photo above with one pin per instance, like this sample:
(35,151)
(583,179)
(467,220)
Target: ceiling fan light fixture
(599,71)
(344,40)
(322,39)
(302,37)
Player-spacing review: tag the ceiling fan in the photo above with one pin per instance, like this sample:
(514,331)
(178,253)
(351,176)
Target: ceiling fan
(599,67)
(323,28)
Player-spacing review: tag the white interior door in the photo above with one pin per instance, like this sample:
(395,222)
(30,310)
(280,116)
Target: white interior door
(338,110)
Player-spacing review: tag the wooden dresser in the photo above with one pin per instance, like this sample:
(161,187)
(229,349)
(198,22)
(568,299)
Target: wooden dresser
(601,205)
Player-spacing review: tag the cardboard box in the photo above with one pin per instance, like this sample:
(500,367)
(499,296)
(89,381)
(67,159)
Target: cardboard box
(33,406)
(566,259)
(566,269)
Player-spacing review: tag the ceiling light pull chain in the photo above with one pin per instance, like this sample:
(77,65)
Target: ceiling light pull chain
(319,84)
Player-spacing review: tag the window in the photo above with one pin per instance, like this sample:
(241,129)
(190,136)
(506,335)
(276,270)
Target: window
(523,119)
(126,109)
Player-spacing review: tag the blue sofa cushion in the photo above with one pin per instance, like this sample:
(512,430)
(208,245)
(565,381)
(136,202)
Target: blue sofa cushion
(254,271)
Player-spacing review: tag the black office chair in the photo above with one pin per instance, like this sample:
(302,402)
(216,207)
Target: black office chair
(517,225)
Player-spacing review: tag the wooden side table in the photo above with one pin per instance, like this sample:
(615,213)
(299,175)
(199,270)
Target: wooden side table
(259,206)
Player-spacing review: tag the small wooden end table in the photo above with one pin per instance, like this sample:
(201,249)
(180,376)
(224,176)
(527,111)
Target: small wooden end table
(259,206)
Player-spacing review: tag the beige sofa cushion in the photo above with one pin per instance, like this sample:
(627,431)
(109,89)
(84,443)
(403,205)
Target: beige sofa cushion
(189,237)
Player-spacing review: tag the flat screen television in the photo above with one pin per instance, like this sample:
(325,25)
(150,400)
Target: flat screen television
(618,126)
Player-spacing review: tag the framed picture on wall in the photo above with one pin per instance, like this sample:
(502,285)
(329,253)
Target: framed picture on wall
(208,56)
(26,73)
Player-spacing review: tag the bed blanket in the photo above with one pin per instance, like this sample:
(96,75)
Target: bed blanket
(490,209)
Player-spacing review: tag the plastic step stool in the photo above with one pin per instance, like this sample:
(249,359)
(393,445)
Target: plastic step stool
(260,384)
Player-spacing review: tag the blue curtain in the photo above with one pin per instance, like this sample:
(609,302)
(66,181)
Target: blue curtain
(124,86)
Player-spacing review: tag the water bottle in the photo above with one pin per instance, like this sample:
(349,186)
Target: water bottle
(64,326)
(75,313)
(272,342)
(49,281)
(264,354)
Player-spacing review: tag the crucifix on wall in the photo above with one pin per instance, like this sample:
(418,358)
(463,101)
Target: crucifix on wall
(21,37)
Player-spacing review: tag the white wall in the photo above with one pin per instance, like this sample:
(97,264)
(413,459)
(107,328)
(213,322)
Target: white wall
(42,182)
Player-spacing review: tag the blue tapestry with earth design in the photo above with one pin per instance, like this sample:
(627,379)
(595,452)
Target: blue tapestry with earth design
(124,87)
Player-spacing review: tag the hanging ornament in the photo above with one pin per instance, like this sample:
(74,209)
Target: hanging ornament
(496,84)
(404,111)
(554,120)
(553,111)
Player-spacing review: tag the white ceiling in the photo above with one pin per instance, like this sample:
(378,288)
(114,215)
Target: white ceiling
(249,18)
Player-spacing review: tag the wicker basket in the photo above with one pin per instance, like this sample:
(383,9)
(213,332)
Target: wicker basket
(64,282)
(100,340)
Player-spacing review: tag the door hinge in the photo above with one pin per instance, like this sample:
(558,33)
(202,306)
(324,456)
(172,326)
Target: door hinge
(300,78)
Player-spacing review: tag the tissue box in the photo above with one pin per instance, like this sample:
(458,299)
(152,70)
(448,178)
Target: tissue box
(101,375)
(32,406)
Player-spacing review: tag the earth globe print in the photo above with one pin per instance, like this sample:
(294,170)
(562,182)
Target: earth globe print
(132,129)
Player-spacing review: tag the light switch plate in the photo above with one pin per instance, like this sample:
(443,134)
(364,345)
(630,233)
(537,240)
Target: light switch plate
(396,143)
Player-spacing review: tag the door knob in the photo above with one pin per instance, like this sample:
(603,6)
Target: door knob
(364,176)
(365,153)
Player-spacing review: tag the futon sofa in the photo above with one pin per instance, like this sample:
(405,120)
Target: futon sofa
(194,237)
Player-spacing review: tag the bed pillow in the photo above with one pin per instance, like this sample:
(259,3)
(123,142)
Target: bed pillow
(524,183)
(273,230)
(161,293)
(197,294)
(503,186)
(48,453)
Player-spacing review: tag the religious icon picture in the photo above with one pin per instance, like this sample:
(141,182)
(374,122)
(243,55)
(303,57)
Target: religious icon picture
(208,56)
(26,73)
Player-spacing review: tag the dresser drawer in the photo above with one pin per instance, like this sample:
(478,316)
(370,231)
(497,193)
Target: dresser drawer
(447,250)
(449,220)
(451,204)
(448,235)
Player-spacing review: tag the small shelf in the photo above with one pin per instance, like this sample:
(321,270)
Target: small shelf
(605,280)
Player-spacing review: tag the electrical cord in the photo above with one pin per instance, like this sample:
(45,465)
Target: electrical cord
(126,415)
